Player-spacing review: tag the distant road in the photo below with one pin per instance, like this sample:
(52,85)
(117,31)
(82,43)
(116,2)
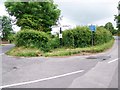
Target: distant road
(6,48)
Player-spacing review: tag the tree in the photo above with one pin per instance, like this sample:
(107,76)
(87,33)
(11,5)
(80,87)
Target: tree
(109,26)
(6,27)
(117,18)
(35,15)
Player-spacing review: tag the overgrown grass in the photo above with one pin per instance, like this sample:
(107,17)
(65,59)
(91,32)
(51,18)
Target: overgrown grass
(33,52)
(25,52)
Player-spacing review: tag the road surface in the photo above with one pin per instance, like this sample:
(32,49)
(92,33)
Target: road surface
(93,71)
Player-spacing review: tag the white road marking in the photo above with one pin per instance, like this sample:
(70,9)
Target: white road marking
(113,60)
(40,80)
(1,53)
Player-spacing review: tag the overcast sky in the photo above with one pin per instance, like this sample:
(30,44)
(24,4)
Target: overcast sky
(84,12)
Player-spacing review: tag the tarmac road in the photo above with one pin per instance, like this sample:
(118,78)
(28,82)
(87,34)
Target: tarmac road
(67,72)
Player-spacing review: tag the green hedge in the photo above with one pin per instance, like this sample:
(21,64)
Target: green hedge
(77,37)
(31,38)
(53,43)
(73,38)
(81,37)
(102,36)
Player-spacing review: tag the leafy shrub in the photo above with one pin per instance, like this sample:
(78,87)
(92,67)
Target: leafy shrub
(51,44)
(31,38)
(81,37)
(73,38)
(11,38)
(77,37)
(102,36)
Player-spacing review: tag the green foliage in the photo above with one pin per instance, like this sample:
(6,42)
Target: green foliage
(77,37)
(53,43)
(109,26)
(11,38)
(81,37)
(81,51)
(102,36)
(33,52)
(115,32)
(34,15)
(6,27)
(31,38)
(117,18)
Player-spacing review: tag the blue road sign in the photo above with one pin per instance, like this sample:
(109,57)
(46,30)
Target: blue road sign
(92,27)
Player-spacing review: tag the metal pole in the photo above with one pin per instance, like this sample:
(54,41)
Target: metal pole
(92,38)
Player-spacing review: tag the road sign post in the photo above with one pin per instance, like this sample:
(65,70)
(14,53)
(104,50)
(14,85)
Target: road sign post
(93,38)
(92,28)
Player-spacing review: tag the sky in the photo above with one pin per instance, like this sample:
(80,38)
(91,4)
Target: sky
(83,12)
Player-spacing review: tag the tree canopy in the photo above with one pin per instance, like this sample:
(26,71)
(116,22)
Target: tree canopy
(109,26)
(6,27)
(117,18)
(34,15)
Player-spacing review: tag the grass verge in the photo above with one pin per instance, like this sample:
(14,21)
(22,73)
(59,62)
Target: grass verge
(33,52)
(68,51)
(25,52)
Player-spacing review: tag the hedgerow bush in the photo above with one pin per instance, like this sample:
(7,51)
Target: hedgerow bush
(77,37)
(81,37)
(31,38)
(73,38)
(102,36)
(53,43)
